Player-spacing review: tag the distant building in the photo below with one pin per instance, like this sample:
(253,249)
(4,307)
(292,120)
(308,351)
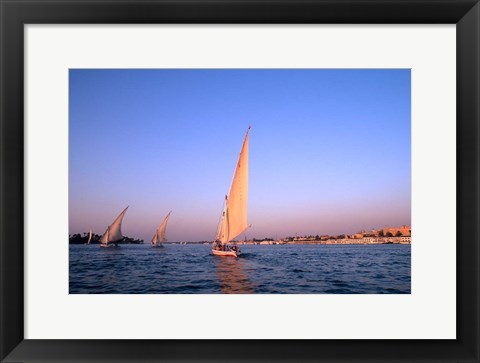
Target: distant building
(406,239)
(397,231)
(369,240)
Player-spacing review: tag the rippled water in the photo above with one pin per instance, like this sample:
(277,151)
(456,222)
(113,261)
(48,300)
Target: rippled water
(287,269)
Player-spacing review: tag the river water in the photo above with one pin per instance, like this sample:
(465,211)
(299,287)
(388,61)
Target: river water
(262,269)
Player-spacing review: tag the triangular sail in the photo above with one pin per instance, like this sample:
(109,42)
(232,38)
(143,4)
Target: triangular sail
(104,239)
(154,240)
(89,236)
(234,220)
(160,234)
(114,231)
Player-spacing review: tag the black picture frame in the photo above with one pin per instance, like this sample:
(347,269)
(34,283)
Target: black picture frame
(15,14)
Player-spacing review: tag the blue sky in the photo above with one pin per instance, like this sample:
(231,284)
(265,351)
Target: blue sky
(329,149)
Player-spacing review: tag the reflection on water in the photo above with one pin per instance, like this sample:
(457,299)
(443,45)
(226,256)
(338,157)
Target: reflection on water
(232,276)
(261,269)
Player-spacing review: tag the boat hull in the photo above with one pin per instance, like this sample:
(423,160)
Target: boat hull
(108,245)
(225,253)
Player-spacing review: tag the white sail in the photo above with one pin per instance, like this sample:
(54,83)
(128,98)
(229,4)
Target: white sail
(89,236)
(154,240)
(114,231)
(104,239)
(234,220)
(160,233)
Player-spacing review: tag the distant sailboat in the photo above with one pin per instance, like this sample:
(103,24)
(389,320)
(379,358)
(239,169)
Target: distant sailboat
(89,236)
(113,234)
(160,235)
(234,216)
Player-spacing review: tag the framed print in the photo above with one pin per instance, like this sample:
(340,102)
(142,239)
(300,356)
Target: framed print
(308,172)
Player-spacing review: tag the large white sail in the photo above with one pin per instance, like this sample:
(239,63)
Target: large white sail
(160,233)
(114,231)
(234,220)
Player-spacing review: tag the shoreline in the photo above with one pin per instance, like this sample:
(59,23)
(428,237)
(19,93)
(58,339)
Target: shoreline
(266,244)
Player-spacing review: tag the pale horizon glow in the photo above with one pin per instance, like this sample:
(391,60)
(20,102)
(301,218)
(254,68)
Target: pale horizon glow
(329,150)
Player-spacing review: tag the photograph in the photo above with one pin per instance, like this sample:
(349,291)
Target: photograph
(239,181)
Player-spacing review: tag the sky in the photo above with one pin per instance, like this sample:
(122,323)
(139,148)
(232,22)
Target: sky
(329,149)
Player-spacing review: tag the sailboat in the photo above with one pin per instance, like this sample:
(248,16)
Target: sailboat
(159,235)
(113,234)
(89,236)
(234,216)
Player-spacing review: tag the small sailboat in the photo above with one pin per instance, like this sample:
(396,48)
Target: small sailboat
(89,236)
(113,234)
(160,235)
(234,216)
